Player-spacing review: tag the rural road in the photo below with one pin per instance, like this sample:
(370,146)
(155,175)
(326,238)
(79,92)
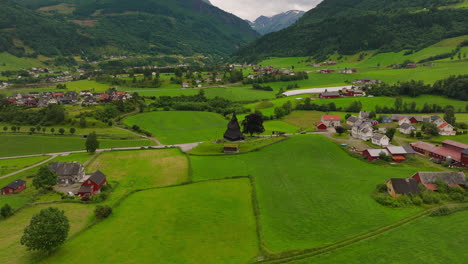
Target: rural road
(315,90)
(30,167)
(184,147)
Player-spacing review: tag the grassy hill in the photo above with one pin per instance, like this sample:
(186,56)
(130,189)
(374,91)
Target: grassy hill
(349,27)
(91,28)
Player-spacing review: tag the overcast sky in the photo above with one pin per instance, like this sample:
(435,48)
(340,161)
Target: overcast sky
(251,9)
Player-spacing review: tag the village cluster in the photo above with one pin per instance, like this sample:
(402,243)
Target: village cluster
(71,180)
(40,100)
(364,128)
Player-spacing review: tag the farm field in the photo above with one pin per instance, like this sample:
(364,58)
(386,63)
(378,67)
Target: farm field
(12,165)
(12,230)
(213,221)
(430,240)
(141,169)
(178,127)
(305,200)
(16,145)
(77,86)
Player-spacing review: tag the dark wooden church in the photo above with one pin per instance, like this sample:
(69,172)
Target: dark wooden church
(233,132)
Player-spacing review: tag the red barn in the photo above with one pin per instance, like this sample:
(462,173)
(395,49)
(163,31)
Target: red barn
(429,179)
(96,181)
(374,154)
(321,126)
(14,187)
(464,158)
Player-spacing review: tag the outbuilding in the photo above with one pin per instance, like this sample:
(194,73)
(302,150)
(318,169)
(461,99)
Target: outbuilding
(398,187)
(14,187)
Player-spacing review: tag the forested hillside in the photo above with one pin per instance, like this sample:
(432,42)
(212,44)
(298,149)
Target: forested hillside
(361,25)
(120,27)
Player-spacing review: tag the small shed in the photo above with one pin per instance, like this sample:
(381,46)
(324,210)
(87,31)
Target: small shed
(14,187)
(231,148)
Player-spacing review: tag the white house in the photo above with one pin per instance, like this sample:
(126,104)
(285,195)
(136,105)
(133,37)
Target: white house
(362,130)
(380,140)
(406,129)
(331,120)
(446,129)
(404,120)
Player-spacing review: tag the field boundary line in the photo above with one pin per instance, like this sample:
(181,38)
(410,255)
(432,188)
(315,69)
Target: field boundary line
(288,256)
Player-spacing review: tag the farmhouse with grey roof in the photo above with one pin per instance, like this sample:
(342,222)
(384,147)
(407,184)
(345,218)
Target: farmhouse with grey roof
(68,172)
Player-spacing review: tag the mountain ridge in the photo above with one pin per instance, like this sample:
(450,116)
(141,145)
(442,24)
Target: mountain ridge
(265,24)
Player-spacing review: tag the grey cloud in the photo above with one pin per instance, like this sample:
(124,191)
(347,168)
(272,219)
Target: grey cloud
(251,9)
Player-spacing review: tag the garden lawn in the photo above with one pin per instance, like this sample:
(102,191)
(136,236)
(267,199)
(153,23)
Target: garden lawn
(141,169)
(206,223)
(12,165)
(310,192)
(16,145)
(12,230)
(430,240)
(179,127)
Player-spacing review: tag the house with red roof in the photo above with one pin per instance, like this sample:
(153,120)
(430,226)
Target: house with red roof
(449,151)
(14,187)
(331,120)
(445,129)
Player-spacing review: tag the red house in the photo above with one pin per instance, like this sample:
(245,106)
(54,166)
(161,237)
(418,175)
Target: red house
(93,184)
(14,187)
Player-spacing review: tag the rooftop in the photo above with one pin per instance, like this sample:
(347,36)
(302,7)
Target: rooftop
(405,185)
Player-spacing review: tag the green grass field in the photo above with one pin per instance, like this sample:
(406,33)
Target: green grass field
(306,200)
(12,230)
(16,145)
(181,127)
(430,240)
(12,165)
(207,223)
(9,62)
(141,169)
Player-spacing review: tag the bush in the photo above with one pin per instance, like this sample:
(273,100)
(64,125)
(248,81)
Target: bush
(417,201)
(6,211)
(102,211)
(442,211)
(458,197)
(429,197)
(381,188)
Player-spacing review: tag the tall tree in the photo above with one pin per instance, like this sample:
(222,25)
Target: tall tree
(47,230)
(6,211)
(92,143)
(253,124)
(449,115)
(44,178)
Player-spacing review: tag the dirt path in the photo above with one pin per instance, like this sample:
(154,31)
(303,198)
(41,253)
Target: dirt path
(30,167)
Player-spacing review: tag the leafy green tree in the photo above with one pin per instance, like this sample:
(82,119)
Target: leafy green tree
(430,129)
(253,124)
(47,230)
(92,143)
(61,131)
(43,130)
(13,128)
(398,104)
(340,130)
(32,129)
(5,129)
(449,115)
(52,130)
(44,178)
(390,133)
(82,122)
(72,130)
(6,211)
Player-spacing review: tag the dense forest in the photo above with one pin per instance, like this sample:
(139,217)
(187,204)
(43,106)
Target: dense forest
(119,27)
(353,31)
